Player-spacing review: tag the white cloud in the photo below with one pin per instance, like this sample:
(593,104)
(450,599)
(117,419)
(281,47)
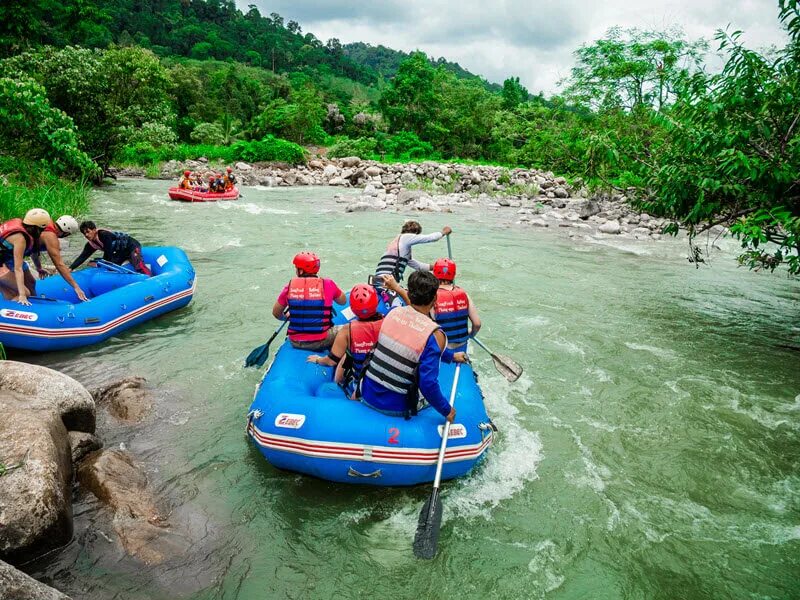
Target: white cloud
(532,39)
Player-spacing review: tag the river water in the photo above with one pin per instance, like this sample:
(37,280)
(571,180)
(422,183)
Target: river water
(650,450)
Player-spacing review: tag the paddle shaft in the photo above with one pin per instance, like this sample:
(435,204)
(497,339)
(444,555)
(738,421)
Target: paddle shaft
(449,249)
(480,343)
(440,462)
(277,331)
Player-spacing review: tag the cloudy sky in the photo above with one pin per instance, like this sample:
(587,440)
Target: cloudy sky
(532,39)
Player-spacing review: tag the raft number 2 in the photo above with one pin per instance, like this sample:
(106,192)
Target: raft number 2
(394,435)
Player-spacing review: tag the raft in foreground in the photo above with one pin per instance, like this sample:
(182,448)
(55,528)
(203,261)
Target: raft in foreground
(301,421)
(119,299)
(183,195)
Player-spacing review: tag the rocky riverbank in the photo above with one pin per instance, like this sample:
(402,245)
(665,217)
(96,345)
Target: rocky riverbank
(530,197)
(49,454)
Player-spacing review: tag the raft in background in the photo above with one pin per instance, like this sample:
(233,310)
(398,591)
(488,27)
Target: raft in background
(301,421)
(119,299)
(176,193)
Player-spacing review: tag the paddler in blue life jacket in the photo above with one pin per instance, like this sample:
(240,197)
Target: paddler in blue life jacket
(454,310)
(309,300)
(398,252)
(405,361)
(355,340)
(20,238)
(117,247)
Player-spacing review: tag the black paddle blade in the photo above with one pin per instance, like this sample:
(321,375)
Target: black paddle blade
(426,539)
(257,357)
(507,367)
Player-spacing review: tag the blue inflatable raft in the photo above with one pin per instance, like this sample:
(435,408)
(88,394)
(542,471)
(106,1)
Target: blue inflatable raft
(119,299)
(300,420)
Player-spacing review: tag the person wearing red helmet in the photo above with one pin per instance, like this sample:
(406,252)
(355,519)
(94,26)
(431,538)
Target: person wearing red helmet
(186,181)
(454,310)
(229,179)
(355,340)
(309,299)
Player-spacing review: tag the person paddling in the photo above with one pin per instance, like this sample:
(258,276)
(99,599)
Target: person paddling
(454,310)
(405,360)
(117,247)
(20,238)
(309,299)
(229,179)
(186,182)
(62,227)
(398,252)
(355,340)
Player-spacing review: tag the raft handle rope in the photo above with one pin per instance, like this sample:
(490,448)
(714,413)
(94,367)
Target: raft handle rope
(115,268)
(351,472)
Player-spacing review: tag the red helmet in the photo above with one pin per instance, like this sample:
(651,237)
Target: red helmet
(187,173)
(444,269)
(307,262)
(211,177)
(363,300)
(229,169)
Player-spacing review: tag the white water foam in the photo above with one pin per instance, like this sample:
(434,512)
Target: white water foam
(544,566)
(601,375)
(570,347)
(535,321)
(255,209)
(654,350)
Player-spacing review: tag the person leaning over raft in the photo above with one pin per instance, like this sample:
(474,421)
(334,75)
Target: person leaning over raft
(20,238)
(406,358)
(309,299)
(453,310)
(117,247)
(64,226)
(355,340)
(398,252)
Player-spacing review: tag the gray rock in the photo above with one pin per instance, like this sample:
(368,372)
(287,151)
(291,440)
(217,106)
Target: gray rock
(315,164)
(610,227)
(330,171)
(242,166)
(350,161)
(16,585)
(127,399)
(503,201)
(589,209)
(641,232)
(290,178)
(560,192)
(539,223)
(81,444)
(373,171)
(46,389)
(359,207)
(202,159)
(408,196)
(338,181)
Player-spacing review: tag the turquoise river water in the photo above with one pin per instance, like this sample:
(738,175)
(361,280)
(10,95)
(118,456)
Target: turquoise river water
(650,450)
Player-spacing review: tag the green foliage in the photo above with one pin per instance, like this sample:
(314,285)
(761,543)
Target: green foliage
(269,148)
(30,184)
(31,128)
(513,93)
(733,152)
(208,133)
(406,144)
(362,147)
(298,118)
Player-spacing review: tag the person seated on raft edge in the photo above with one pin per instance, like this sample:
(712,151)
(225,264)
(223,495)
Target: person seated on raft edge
(398,253)
(229,179)
(20,238)
(62,227)
(117,247)
(309,299)
(454,309)
(186,182)
(355,340)
(219,184)
(391,387)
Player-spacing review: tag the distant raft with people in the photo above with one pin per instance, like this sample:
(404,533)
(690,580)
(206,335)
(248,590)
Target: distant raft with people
(302,421)
(184,195)
(120,298)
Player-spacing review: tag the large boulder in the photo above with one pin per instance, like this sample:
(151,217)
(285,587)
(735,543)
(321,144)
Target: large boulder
(330,171)
(589,209)
(114,478)
(409,196)
(350,161)
(39,407)
(16,585)
(610,227)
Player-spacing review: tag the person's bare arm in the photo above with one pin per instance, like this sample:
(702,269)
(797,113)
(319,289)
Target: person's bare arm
(390,283)
(341,299)
(19,275)
(473,317)
(54,252)
(277,311)
(339,349)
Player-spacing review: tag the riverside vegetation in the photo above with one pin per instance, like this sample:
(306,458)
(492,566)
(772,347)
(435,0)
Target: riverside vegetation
(87,85)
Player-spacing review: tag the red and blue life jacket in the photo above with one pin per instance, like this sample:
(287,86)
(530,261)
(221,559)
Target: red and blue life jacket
(308,310)
(363,337)
(452,314)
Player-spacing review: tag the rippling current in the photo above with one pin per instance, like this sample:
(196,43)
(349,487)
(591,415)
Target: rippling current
(650,450)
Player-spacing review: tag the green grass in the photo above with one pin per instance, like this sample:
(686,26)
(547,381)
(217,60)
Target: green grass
(30,185)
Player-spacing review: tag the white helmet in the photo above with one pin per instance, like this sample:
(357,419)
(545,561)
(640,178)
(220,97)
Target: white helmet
(38,217)
(67,224)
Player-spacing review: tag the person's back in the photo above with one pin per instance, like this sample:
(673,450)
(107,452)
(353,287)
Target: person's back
(309,299)
(186,181)
(229,179)
(406,358)
(398,252)
(453,310)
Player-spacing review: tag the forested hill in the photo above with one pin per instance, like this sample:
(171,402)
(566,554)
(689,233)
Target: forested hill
(211,29)
(387,61)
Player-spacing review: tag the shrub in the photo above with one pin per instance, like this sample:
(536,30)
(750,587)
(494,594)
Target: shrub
(406,144)
(362,147)
(208,133)
(269,148)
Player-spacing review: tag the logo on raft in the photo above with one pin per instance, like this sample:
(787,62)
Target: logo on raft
(457,430)
(290,421)
(19,315)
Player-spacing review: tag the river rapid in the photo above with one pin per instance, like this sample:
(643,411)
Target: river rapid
(650,450)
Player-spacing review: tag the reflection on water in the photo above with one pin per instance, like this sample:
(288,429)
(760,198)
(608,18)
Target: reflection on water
(649,451)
